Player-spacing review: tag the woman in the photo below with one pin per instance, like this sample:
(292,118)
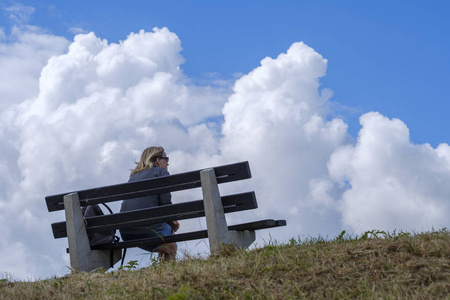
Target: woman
(153,163)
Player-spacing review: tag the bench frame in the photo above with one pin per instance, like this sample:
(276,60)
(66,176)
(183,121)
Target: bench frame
(83,257)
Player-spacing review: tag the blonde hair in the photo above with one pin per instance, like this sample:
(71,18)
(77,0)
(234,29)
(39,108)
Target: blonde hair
(148,158)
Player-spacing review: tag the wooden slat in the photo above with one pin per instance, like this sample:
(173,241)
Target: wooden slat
(171,183)
(160,214)
(257,225)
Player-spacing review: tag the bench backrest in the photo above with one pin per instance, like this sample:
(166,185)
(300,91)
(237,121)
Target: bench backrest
(172,183)
(149,216)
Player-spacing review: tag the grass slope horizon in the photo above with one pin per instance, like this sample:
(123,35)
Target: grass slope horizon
(375,265)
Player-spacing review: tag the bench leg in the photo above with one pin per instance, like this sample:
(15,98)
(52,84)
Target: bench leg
(216,223)
(82,258)
(242,239)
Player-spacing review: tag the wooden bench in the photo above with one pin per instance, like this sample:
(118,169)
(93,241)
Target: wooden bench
(213,206)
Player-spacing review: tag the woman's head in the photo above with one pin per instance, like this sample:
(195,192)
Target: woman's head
(152,157)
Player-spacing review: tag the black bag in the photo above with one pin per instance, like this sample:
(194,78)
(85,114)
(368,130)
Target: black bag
(98,238)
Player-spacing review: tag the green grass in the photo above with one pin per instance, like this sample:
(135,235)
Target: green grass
(376,265)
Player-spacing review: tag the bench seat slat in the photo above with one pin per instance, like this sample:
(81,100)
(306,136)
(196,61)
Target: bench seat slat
(171,183)
(263,224)
(149,216)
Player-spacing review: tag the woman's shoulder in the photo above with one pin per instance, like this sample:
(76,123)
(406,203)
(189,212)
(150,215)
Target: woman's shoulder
(160,171)
(149,173)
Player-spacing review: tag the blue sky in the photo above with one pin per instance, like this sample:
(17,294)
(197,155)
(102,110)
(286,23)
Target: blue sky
(386,56)
(85,86)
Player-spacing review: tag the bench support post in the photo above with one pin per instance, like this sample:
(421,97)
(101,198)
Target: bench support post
(82,258)
(216,223)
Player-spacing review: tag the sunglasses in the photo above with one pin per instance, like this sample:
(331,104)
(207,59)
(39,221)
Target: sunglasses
(164,157)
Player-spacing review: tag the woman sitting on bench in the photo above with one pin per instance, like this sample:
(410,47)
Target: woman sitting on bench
(153,163)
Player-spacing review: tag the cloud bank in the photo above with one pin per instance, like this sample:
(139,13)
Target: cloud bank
(393,184)
(78,114)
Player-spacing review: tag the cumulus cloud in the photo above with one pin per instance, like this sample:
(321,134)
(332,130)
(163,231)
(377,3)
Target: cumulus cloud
(22,56)
(78,114)
(392,183)
(276,118)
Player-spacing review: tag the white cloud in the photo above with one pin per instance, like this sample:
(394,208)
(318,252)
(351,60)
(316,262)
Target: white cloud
(19,13)
(23,54)
(393,183)
(77,30)
(276,119)
(78,114)
(22,57)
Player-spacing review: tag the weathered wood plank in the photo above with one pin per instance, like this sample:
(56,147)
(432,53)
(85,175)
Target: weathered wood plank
(171,183)
(263,224)
(160,214)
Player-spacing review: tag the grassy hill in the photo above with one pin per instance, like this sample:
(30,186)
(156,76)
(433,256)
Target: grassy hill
(375,265)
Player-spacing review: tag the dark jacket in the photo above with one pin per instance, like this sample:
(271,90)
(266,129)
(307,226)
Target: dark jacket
(146,202)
